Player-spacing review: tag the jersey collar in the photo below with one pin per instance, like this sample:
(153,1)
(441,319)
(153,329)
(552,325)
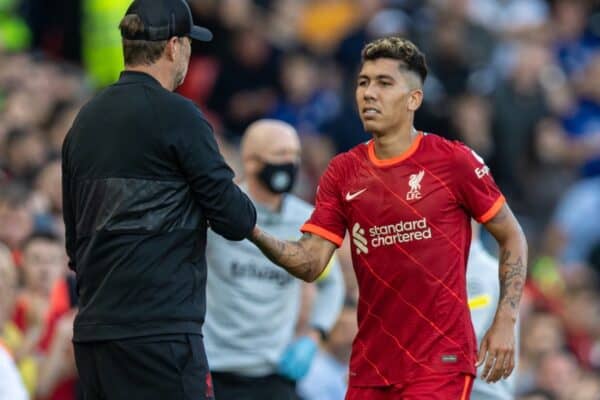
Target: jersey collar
(395,160)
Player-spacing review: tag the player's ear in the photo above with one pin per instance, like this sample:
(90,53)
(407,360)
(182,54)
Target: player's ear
(415,98)
(170,48)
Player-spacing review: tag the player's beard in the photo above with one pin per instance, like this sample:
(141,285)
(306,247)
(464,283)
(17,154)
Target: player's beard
(181,71)
(180,75)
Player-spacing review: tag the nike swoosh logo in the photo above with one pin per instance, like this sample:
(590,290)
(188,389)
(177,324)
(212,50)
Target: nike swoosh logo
(350,197)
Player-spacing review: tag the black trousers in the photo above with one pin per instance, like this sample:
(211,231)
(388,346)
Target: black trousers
(235,387)
(162,367)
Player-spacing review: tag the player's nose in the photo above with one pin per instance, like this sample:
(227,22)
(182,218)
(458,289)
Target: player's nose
(369,93)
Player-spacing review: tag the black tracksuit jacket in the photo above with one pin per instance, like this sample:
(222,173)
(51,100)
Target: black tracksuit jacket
(142,180)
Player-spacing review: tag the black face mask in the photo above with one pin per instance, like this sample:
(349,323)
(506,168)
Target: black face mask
(279,178)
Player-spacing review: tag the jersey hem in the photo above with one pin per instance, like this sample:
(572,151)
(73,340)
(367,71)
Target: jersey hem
(356,383)
(322,232)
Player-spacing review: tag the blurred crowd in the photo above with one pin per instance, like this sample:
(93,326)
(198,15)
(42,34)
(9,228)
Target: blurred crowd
(516,80)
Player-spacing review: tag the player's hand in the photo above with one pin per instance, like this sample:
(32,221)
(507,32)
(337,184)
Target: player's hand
(297,358)
(498,351)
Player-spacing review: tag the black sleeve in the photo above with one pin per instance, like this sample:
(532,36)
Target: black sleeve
(68,213)
(229,211)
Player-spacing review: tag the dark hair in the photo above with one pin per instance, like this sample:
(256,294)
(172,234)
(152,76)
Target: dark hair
(139,52)
(42,236)
(14,194)
(399,49)
(15,135)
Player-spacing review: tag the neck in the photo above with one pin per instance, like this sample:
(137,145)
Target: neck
(390,145)
(165,79)
(272,201)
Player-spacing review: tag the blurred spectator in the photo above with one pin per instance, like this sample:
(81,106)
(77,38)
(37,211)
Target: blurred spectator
(11,384)
(327,378)
(557,373)
(587,388)
(542,333)
(48,185)
(308,105)
(44,348)
(471,121)
(347,53)
(575,230)
(44,263)
(537,395)
(245,89)
(509,17)
(519,103)
(63,119)
(16,219)
(25,154)
(582,123)
(305,103)
(575,43)
(323,23)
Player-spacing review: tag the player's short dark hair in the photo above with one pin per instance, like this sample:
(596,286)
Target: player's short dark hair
(410,57)
(139,52)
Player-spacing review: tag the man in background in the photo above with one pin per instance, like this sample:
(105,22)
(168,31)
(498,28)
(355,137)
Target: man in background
(483,291)
(253,305)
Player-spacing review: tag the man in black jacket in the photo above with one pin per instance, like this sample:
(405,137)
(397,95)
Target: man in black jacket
(142,180)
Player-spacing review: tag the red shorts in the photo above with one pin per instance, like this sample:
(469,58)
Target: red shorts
(434,387)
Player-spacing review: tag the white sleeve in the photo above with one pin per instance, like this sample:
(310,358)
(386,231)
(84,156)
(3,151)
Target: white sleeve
(11,385)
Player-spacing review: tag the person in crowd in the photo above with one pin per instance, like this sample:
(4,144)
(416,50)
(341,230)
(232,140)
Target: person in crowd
(11,384)
(251,298)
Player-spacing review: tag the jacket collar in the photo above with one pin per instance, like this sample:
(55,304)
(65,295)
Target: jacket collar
(137,77)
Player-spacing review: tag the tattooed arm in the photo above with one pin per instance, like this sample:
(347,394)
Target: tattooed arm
(498,345)
(305,258)
(513,261)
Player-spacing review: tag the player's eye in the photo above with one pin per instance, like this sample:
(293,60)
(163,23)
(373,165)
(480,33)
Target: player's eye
(362,83)
(385,83)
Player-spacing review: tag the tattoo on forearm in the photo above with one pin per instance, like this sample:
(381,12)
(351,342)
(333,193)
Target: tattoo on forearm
(292,256)
(513,271)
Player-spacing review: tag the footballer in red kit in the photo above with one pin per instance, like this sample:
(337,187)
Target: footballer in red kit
(406,199)
(409,221)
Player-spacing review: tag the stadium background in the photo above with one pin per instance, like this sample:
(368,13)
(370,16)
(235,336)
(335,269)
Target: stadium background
(517,80)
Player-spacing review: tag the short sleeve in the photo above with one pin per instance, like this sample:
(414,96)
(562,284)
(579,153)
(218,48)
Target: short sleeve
(328,220)
(475,187)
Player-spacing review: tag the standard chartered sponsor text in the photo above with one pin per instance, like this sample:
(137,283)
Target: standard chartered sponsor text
(401,232)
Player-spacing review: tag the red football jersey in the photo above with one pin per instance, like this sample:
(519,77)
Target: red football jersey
(409,222)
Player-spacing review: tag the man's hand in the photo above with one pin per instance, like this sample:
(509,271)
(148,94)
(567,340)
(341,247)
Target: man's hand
(498,350)
(297,358)
(305,258)
(498,344)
